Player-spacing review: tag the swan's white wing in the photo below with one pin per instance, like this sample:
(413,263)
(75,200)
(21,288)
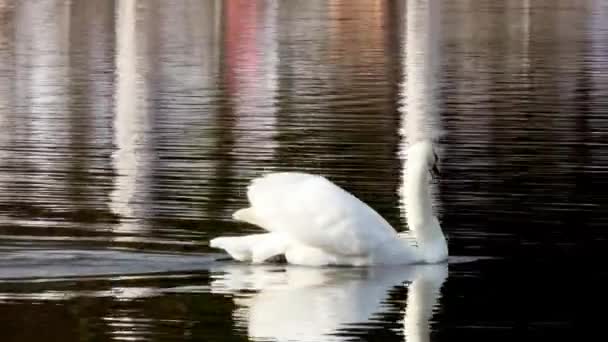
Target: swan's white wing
(316,212)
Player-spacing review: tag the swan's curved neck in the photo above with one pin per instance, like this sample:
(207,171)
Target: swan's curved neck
(418,206)
(419,213)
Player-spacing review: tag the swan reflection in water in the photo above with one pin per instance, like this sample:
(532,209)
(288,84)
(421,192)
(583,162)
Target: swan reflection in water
(293,303)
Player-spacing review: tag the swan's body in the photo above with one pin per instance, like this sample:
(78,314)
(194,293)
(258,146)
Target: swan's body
(312,221)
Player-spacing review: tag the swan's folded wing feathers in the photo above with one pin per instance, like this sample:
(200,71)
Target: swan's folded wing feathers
(313,210)
(409,237)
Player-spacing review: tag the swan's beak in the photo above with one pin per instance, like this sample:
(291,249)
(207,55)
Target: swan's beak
(435,171)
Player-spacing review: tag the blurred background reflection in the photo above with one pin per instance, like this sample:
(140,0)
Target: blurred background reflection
(130,129)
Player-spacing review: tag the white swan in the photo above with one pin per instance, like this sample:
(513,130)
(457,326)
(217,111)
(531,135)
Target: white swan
(312,221)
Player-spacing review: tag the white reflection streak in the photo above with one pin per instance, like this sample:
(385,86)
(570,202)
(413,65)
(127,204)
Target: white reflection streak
(128,117)
(314,304)
(526,34)
(42,69)
(6,91)
(125,327)
(420,113)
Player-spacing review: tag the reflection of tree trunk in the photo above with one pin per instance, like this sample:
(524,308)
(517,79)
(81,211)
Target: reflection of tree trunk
(420,113)
(7,103)
(421,63)
(41,72)
(7,91)
(131,121)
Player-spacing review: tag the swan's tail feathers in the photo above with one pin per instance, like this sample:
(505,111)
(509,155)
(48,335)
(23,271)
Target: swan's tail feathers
(235,246)
(247,215)
(255,248)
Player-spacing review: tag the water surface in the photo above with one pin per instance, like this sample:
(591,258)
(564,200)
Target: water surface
(131,128)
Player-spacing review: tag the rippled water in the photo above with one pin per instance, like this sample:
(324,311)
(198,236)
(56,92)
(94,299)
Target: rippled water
(131,128)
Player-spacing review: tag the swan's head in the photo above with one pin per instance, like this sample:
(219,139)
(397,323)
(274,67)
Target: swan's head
(424,152)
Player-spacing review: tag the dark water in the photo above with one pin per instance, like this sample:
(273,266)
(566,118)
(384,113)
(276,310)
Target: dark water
(129,130)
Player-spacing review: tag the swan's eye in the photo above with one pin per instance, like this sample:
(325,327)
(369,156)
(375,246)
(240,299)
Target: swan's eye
(434,168)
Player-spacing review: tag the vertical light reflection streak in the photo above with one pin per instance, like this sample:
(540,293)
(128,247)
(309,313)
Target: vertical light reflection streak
(6,87)
(129,119)
(419,93)
(7,101)
(42,89)
(526,35)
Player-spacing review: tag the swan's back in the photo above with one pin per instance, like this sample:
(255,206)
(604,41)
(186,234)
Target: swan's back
(312,210)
